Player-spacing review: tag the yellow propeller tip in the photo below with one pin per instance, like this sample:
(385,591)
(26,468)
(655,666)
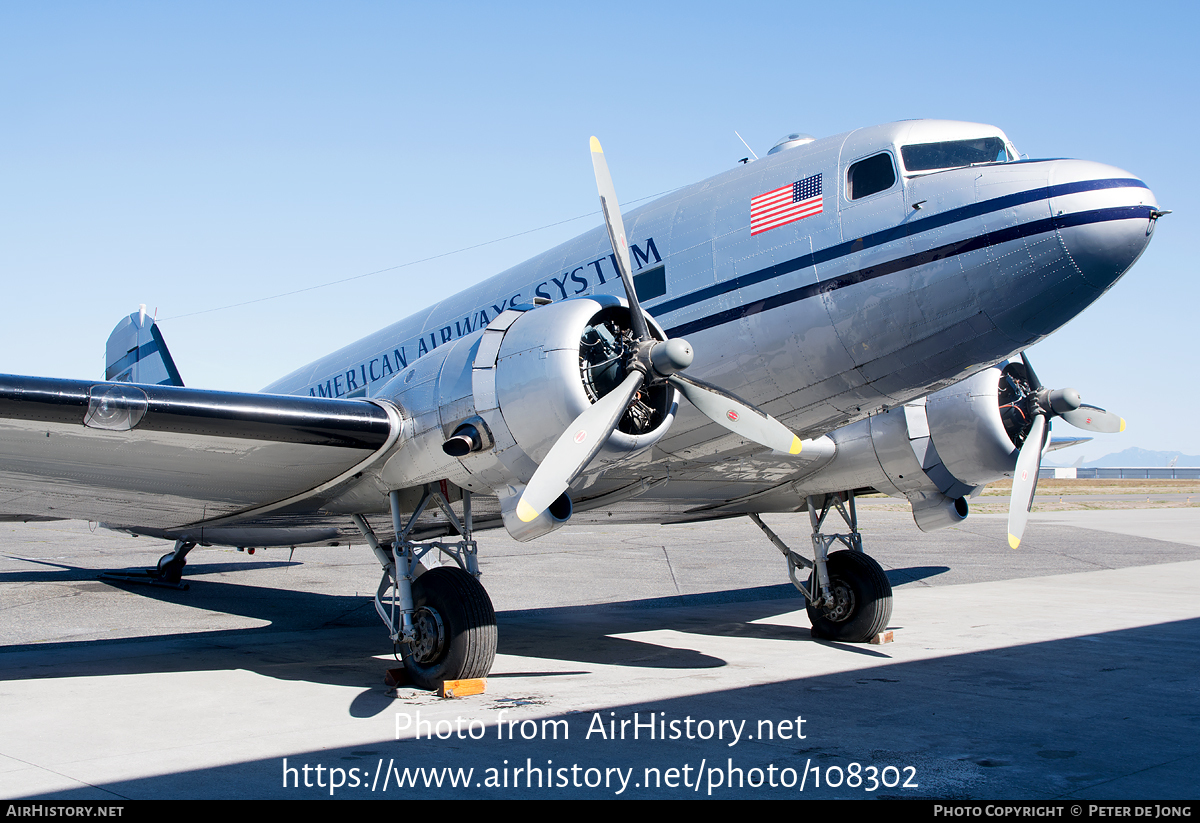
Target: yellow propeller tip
(1013,542)
(596,146)
(526,512)
(796,445)
(1122,425)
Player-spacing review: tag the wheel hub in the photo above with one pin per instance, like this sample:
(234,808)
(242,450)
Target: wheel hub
(429,635)
(843,602)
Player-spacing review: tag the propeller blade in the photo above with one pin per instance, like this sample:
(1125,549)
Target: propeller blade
(576,447)
(1095,419)
(1030,374)
(1029,461)
(616,236)
(737,415)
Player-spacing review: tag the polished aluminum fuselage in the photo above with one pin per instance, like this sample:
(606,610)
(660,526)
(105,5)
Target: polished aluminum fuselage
(865,306)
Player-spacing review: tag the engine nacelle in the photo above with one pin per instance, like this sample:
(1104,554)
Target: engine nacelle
(551,365)
(496,401)
(937,452)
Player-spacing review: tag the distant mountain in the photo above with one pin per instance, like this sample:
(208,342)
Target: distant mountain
(1141,457)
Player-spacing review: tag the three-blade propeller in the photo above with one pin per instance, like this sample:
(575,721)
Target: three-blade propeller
(654,362)
(1045,404)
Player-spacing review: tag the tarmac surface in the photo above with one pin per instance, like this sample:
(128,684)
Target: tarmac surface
(1067,669)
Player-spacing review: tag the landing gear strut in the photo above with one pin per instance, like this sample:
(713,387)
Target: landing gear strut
(441,618)
(848,594)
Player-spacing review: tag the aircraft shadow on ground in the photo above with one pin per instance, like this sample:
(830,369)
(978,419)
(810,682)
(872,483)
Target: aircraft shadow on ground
(578,634)
(64,573)
(898,577)
(1032,721)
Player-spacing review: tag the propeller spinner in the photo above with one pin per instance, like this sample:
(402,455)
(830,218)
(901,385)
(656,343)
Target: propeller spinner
(653,362)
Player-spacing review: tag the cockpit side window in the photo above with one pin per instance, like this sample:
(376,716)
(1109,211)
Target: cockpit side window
(954,154)
(866,177)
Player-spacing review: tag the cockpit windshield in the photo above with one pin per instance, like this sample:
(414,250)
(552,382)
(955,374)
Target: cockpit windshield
(955,153)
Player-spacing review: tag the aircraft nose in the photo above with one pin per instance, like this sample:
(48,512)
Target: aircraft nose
(1105,217)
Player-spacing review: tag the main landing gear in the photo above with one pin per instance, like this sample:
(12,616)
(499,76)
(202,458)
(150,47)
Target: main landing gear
(441,618)
(848,595)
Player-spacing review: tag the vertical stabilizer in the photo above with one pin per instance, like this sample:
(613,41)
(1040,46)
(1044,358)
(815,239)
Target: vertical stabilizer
(137,353)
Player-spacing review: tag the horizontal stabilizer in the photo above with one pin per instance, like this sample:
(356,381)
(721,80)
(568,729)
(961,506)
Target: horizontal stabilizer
(137,353)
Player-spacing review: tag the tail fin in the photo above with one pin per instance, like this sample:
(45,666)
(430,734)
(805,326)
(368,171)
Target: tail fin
(137,353)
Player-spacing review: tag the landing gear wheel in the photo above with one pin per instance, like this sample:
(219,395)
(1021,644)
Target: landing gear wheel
(455,626)
(862,599)
(169,569)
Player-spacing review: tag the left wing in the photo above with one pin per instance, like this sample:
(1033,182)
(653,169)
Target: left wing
(165,456)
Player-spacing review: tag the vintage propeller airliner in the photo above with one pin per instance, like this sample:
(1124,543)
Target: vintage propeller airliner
(834,318)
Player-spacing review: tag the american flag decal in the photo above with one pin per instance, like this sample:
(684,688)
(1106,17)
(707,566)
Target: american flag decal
(786,204)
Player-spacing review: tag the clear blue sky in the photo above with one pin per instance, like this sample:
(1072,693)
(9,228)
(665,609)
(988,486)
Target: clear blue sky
(191,156)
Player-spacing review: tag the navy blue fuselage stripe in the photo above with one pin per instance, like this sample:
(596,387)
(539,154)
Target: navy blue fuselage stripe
(912,261)
(891,235)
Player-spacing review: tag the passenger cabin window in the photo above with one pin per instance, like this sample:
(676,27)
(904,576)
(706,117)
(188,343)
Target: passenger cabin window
(866,177)
(954,154)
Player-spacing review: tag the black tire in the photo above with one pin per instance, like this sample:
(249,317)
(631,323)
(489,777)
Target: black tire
(456,628)
(862,595)
(171,570)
